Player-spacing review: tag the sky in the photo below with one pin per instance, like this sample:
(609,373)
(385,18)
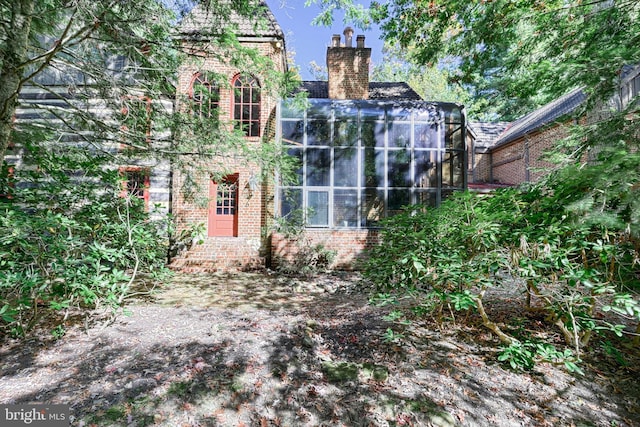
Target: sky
(309,42)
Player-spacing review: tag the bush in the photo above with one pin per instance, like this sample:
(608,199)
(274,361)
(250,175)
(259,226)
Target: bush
(444,260)
(71,245)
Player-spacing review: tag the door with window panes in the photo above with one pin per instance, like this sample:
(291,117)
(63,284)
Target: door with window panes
(223,207)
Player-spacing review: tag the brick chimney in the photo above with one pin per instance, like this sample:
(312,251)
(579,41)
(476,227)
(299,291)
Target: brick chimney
(348,67)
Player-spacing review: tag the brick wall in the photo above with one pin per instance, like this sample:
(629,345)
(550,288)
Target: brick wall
(249,249)
(348,70)
(521,160)
(349,245)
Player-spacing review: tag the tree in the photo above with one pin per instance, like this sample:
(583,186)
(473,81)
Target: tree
(85,87)
(430,82)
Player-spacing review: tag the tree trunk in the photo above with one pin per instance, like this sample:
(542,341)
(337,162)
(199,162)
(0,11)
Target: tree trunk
(13,56)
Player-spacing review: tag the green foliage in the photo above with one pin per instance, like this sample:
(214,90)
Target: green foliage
(309,258)
(71,243)
(573,267)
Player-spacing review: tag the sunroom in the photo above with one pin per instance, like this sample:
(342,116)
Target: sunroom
(363,160)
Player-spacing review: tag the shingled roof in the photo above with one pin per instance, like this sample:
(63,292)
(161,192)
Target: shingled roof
(543,116)
(377,90)
(486,134)
(203,21)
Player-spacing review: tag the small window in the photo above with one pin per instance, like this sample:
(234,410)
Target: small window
(246,104)
(205,95)
(135,183)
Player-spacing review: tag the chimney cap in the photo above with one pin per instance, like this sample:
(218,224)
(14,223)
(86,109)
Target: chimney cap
(348,31)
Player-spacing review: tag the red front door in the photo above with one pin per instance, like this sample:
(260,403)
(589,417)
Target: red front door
(223,207)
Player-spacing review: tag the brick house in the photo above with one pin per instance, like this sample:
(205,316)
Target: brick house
(365,150)
(512,153)
(237,206)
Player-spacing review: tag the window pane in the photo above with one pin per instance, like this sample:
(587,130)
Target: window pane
(320,109)
(293,132)
(399,135)
(291,203)
(373,167)
(426,136)
(345,133)
(452,169)
(345,208)
(318,166)
(373,134)
(297,154)
(255,129)
(291,109)
(373,207)
(426,198)
(425,169)
(397,200)
(318,132)
(318,208)
(345,167)
(399,172)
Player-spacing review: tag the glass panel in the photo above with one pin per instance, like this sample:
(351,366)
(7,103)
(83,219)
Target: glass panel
(372,111)
(456,139)
(452,170)
(373,207)
(427,198)
(345,133)
(291,203)
(297,154)
(255,95)
(292,132)
(373,134)
(318,208)
(318,132)
(345,167)
(345,208)
(397,200)
(399,135)
(429,114)
(399,168)
(346,109)
(318,166)
(373,167)
(425,169)
(426,136)
(292,109)
(319,109)
(255,129)
(453,116)
(400,113)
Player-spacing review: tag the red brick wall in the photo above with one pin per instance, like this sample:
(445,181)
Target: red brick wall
(349,245)
(521,160)
(348,69)
(249,249)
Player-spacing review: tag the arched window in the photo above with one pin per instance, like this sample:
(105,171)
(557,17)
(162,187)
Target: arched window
(205,95)
(246,104)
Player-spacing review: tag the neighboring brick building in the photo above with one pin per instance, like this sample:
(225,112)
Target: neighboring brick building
(515,155)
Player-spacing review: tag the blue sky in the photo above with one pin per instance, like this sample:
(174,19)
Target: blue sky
(309,42)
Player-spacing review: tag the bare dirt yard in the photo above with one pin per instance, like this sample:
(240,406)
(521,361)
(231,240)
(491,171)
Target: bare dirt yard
(257,349)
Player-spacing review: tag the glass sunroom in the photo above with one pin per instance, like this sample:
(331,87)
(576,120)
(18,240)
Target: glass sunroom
(362,161)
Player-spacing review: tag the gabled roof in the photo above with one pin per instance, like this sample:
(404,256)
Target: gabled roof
(486,134)
(543,116)
(377,90)
(202,21)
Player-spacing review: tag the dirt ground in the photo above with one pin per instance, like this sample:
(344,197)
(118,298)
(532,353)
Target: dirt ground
(257,349)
